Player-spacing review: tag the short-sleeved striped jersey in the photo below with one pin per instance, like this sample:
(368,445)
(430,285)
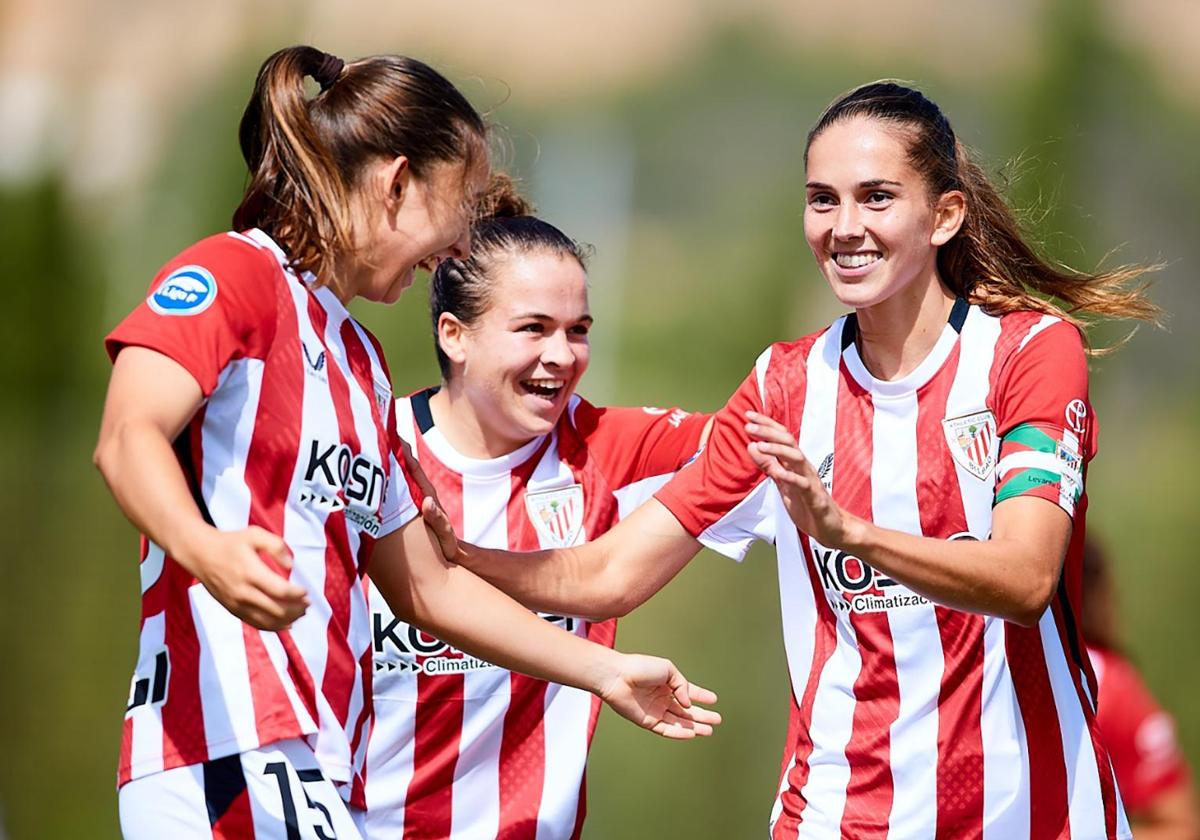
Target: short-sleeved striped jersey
(908,718)
(461,748)
(293,436)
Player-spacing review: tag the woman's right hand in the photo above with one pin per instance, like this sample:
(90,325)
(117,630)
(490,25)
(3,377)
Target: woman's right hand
(651,692)
(247,572)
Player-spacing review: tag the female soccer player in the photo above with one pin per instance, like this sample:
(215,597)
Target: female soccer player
(929,535)
(1151,770)
(248,432)
(462,748)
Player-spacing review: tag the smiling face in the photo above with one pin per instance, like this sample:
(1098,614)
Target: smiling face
(410,222)
(518,364)
(869,218)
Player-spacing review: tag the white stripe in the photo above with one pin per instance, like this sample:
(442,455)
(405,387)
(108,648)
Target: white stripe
(969,393)
(225,442)
(833,706)
(1027,459)
(390,768)
(146,745)
(151,569)
(224,675)
(633,495)
(1083,778)
(304,533)
(406,424)
(566,730)
(1006,779)
(1043,323)
(916,642)
(761,364)
(249,240)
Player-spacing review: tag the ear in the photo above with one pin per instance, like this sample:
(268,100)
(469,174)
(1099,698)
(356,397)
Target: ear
(396,176)
(452,338)
(949,213)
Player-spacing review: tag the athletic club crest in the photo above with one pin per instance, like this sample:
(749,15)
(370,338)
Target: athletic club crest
(972,440)
(557,515)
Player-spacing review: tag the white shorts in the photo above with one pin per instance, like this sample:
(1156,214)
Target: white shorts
(278,792)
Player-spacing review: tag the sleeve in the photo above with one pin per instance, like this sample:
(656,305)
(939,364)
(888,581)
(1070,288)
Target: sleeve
(721,497)
(213,303)
(1046,425)
(1140,737)
(638,449)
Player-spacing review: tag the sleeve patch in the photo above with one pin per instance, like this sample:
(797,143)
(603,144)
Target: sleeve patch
(186,291)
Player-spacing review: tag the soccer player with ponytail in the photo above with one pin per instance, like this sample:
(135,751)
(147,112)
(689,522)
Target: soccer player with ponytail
(919,466)
(249,434)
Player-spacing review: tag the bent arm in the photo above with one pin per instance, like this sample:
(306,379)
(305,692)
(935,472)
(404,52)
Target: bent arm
(1172,815)
(605,578)
(1012,575)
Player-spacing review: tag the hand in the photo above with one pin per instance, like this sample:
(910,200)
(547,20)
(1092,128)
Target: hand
(247,572)
(431,509)
(653,694)
(811,507)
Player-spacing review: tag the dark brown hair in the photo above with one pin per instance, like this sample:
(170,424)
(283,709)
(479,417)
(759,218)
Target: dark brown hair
(989,261)
(507,227)
(305,154)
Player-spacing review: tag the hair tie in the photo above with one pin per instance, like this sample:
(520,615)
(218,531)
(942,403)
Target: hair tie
(327,71)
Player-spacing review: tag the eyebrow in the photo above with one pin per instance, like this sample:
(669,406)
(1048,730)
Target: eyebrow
(862,185)
(538,316)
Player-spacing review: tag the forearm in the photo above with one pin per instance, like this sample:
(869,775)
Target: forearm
(459,608)
(602,579)
(1005,576)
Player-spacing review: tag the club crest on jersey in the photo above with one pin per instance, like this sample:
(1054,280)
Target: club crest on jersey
(973,442)
(557,515)
(383,396)
(186,291)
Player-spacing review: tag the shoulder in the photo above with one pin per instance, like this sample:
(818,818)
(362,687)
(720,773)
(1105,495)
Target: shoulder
(230,257)
(227,268)
(1028,333)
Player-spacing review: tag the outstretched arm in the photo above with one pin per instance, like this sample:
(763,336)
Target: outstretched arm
(1012,575)
(459,608)
(605,578)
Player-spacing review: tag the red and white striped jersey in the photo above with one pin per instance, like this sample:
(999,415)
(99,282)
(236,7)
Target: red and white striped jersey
(908,718)
(461,748)
(293,436)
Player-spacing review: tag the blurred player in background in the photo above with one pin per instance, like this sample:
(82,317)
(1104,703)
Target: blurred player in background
(462,748)
(929,525)
(1152,773)
(248,432)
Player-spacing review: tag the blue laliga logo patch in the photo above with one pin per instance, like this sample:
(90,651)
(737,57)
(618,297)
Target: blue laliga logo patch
(186,291)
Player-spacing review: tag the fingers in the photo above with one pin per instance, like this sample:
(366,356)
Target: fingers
(413,468)
(439,523)
(264,542)
(700,694)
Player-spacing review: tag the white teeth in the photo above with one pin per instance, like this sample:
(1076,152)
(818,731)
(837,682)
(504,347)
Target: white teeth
(856,260)
(544,387)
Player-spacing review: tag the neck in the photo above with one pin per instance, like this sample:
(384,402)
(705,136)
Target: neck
(345,279)
(462,426)
(895,335)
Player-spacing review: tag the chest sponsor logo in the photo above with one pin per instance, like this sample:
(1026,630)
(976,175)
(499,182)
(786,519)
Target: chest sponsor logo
(557,515)
(338,479)
(973,442)
(186,291)
(852,586)
(401,648)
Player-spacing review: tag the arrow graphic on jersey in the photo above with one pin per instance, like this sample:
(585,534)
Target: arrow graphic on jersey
(557,515)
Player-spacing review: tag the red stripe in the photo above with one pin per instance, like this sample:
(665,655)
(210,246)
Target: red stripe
(523,742)
(439,707)
(273,714)
(869,790)
(237,823)
(1048,816)
(269,477)
(184,739)
(960,778)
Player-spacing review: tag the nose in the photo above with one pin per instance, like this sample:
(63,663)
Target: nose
(556,350)
(848,224)
(460,249)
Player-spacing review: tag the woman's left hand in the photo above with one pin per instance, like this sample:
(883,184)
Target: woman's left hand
(810,505)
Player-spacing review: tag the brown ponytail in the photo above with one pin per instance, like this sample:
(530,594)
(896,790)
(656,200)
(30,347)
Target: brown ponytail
(305,155)
(989,261)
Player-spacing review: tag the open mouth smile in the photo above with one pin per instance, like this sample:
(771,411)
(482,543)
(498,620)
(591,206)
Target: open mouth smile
(545,388)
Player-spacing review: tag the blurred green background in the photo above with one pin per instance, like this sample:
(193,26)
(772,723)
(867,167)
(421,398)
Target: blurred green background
(670,137)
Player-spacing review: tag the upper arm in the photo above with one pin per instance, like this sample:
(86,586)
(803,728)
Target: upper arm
(147,386)
(405,564)
(632,444)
